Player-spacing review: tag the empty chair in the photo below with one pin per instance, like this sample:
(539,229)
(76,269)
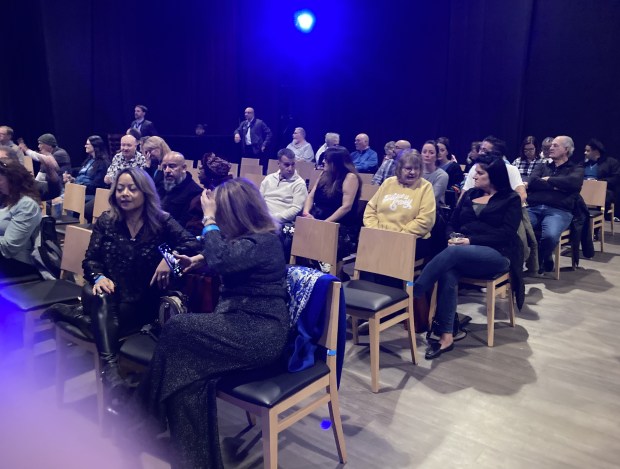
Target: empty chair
(593,193)
(73,200)
(250,162)
(250,169)
(382,306)
(316,240)
(102,202)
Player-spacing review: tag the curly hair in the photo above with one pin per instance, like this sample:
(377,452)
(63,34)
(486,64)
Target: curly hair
(21,183)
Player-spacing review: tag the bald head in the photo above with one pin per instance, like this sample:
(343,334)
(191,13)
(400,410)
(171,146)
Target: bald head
(129,144)
(361,142)
(174,167)
(249,113)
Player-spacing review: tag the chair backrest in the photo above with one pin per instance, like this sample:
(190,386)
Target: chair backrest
(250,162)
(593,193)
(257,179)
(250,169)
(316,240)
(366,178)
(28,164)
(102,202)
(74,199)
(76,244)
(313,177)
(234,170)
(329,339)
(194,173)
(368,190)
(386,252)
(272,166)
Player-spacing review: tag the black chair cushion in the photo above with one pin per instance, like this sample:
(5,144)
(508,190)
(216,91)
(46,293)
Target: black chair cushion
(273,388)
(27,296)
(21,279)
(73,330)
(370,296)
(594,212)
(139,348)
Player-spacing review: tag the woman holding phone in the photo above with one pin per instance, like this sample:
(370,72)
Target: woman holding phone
(125,269)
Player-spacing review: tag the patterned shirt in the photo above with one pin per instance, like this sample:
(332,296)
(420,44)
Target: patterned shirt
(119,163)
(526,167)
(386,170)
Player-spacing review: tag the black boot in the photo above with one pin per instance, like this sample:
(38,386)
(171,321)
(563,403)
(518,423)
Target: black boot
(72,314)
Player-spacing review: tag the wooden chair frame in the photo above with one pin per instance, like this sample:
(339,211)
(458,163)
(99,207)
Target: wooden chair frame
(316,240)
(593,193)
(250,169)
(396,259)
(102,202)
(322,391)
(250,162)
(257,179)
(495,287)
(74,200)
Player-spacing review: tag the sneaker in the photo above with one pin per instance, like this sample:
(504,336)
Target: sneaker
(616,219)
(325,267)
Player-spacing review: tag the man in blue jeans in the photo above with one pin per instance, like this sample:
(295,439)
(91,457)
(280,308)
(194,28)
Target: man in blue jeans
(552,192)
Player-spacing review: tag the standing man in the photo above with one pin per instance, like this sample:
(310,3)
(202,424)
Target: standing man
(128,157)
(553,191)
(6,140)
(145,127)
(177,188)
(254,136)
(364,158)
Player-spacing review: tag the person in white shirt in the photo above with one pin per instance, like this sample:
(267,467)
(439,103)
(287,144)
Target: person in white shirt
(299,145)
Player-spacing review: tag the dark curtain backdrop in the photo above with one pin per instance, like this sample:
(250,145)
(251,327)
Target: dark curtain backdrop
(393,69)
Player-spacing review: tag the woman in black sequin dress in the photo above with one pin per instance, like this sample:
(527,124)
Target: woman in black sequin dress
(124,267)
(249,328)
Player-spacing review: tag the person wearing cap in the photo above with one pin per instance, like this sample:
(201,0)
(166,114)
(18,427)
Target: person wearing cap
(48,146)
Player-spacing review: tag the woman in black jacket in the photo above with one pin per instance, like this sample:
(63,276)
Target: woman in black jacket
(483,242)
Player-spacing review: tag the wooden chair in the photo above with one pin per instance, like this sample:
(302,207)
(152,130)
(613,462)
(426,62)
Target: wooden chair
(272,396)
(366,178)
(382,306)
(316,240)
(593,193)
(28,164)
(272,166)
(33,298)
(250,162)
(102,202)
(368,191)
(313,177)
(497,286)
(234,170)
(257,179)
(250,169)
(194,172)
(564,240)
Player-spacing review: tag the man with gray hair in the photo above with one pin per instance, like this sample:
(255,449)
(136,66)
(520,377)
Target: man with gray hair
(6,140)
(177,188)
(331,139)
(388,165)
(552,192)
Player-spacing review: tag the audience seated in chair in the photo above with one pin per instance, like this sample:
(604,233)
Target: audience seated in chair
(432,173)
(600,167)
(484,243)
(177,188)
(553,191)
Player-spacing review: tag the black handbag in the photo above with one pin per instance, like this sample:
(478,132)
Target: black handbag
(170,305)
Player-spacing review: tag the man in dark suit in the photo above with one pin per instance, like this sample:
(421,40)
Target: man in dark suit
(254,136)
(146,128)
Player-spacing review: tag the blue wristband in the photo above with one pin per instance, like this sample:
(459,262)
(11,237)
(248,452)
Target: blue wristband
(208,228)
(99,278)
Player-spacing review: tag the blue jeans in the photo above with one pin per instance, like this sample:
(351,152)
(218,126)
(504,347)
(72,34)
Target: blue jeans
(551,222)
(447,267)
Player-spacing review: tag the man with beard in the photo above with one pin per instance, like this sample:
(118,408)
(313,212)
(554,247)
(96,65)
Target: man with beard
(177,188)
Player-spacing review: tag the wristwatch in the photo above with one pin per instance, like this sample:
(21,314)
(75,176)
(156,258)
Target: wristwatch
(207,219)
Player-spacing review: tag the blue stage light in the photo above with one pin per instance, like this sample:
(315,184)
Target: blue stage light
(304,21)
(326,424)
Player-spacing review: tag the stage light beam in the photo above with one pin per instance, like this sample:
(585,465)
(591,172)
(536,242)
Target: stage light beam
(304,21)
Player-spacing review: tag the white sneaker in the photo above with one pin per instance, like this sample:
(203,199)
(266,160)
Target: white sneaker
(325,267)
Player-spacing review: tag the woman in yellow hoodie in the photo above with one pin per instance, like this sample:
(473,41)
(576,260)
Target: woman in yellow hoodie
(404,203)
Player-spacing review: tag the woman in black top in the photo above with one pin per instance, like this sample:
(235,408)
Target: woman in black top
(484,242)
(124,266)
(248,329)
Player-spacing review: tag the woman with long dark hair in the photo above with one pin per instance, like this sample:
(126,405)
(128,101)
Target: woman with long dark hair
(248,329)
(483,242)
(93,168)
(20,216)
(124,266)
(445,162)
(335,196)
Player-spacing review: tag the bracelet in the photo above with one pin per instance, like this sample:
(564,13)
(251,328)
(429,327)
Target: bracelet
(99,278)
(207,218)
(208,228)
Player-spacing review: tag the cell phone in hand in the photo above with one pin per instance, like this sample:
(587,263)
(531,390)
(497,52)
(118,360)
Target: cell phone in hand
(172,262)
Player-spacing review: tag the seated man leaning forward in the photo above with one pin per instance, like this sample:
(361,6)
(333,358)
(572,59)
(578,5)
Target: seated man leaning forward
(552,193)
(284,191)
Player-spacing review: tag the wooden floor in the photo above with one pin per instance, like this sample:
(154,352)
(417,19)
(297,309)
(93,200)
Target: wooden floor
(546,396)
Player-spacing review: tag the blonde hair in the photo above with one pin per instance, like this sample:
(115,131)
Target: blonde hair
(156,142)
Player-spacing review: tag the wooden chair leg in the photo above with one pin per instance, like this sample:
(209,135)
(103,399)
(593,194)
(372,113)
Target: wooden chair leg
(354,330)
(490,313)
(334,414)
(251,418)
(373,327)
(558,250)
(602,236)
(269,424)
(511,305)
(411,334)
